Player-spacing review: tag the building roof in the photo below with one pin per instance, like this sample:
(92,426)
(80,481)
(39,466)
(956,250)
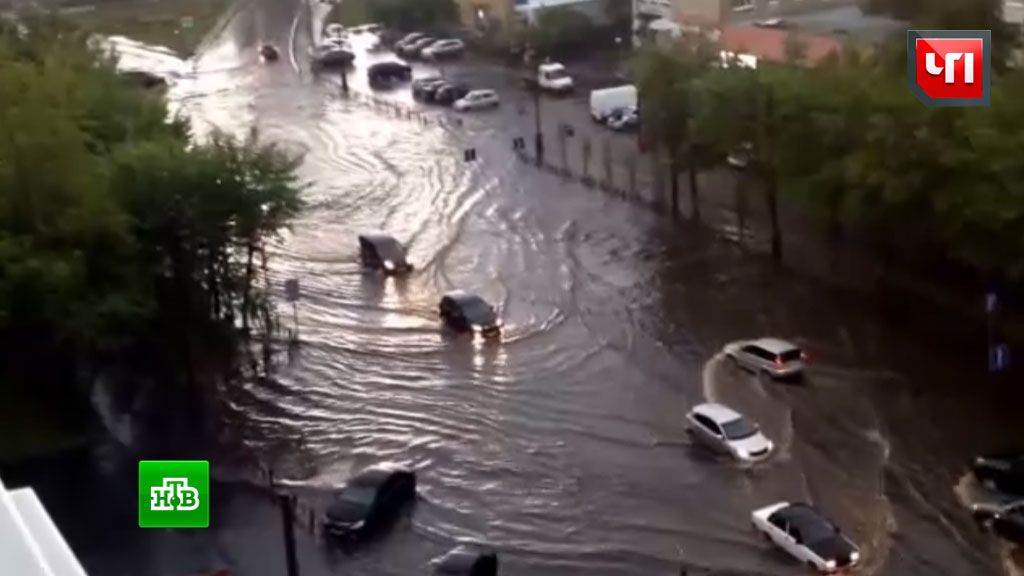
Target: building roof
(770,43)
(844,20)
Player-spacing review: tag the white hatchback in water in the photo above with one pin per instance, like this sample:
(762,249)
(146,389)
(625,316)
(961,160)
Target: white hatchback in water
(772,356)
(725,430)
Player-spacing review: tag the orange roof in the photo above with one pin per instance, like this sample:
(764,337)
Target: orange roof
(770,43)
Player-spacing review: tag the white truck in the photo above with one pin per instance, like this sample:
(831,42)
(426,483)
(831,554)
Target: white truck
(605,101)
(551,77)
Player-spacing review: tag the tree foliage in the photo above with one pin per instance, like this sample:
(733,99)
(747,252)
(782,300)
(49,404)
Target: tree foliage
(121,243)
(934,187)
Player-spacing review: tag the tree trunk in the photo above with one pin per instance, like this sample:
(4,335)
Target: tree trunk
(835,226)
(740,194)
(673,174)
(247,289)
(694,195)
(771,191)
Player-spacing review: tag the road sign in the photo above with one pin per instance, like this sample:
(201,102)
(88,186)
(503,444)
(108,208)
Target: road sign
(291,289)
(991,302)
(998,358)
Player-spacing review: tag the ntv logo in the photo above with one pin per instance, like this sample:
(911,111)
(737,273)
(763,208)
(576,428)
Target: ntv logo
(950,67)
(175,494)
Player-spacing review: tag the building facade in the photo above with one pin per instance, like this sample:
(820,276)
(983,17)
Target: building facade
(723,12)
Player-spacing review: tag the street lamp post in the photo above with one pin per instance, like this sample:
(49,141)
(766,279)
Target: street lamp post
(538,138)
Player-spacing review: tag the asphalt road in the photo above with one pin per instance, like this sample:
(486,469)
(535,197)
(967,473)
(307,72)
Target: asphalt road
(563,445)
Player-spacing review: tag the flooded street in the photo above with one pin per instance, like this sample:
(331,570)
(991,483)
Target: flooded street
(563,445)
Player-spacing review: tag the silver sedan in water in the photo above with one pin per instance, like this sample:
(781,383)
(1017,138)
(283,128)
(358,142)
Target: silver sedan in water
(725,430)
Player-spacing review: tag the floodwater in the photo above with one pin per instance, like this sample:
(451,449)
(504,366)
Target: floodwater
(562,445)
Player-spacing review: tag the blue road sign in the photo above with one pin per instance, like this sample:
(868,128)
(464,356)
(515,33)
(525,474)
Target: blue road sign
(998,358)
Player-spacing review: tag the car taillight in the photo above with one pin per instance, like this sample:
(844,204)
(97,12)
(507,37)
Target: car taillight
(778,361)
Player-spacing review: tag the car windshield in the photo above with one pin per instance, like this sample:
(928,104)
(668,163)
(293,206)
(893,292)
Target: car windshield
(739,428)
(476,310)
(359,494)
(790,355)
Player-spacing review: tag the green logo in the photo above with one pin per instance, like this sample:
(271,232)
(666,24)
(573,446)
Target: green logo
(174,494)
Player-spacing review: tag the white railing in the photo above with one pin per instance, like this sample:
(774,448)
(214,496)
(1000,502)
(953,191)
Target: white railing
(30,543)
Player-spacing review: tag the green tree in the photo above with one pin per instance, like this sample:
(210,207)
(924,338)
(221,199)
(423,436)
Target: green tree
(668,104)
(123,246)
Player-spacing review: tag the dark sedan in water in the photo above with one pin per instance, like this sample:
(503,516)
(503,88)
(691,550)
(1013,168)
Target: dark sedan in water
(464,312)
(382,252)
(1003,472)
(370,500)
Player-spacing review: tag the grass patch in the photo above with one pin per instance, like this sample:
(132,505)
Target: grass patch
(163,23)
(350,12)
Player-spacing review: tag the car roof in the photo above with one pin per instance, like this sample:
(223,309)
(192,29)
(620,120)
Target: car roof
(375,476)
(720,413)
(799,514)
(774,345)
(461,296)
(482,91)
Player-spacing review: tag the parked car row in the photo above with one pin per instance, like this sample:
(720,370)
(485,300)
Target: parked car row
(420,45)
(458,95)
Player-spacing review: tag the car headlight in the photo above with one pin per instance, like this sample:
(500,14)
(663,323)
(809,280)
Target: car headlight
(742,454)
(389,265)
(831,564)
(359,525)
(854,556)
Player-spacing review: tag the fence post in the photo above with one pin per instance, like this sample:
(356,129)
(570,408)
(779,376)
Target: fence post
(609,176)
(586,157)
(631,165)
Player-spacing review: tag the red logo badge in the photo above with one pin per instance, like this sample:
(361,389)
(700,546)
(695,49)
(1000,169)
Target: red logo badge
(949,67)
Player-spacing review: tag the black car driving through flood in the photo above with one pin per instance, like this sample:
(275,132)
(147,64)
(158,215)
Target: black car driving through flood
(370,500)
(379,251)
(384,74)
(1005,519)
(1003,472)
(467,561)
(465,312)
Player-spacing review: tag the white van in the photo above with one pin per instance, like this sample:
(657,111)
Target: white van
(607,100)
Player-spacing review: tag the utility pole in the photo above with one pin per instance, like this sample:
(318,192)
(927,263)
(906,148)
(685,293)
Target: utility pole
(287,503)
(538,135)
